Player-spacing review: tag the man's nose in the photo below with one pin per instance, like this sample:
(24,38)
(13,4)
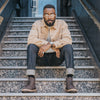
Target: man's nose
(49,17)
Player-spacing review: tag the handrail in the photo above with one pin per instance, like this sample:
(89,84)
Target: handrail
(3,6)
(89,23)
(91,15)
(5,15)
(86,38)
(1,10)
(1,20)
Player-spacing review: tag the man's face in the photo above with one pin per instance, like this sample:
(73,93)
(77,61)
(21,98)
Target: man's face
(49,16)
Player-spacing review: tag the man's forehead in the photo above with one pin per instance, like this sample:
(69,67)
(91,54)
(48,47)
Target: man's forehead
(49,10)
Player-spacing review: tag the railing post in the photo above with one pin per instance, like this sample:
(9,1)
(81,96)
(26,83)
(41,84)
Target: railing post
(30,8)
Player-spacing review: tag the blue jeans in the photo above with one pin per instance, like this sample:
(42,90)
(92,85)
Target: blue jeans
(49,59)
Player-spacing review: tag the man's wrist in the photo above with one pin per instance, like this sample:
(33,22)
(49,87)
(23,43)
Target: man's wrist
(52,44)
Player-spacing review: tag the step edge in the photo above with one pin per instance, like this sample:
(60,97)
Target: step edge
(51,94)
(14,20)
(51,79)
(29,30)
(26,42)
(23,57)
(25,36)
(40,67)
(31,25)
(41,17)
(10,49)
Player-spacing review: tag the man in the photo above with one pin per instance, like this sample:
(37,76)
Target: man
(49,43)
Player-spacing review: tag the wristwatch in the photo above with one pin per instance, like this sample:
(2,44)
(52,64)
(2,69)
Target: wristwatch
(51,44)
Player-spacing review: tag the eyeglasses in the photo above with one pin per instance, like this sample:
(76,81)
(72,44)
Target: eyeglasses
(47,15)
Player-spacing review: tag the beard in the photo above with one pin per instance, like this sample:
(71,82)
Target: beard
(49,24)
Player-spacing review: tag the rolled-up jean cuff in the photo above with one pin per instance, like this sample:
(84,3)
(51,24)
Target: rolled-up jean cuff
(70,71)
(30,72)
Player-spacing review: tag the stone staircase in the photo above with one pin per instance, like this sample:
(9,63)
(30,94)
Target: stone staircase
(50,80)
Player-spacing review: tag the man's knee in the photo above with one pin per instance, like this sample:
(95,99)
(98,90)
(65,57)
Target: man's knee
(32,47)
(67,48)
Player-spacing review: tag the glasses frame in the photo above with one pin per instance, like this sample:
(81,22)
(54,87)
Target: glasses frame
(49,15)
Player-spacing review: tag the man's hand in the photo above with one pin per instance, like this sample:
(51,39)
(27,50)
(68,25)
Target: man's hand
(57,53)
(56,50)
(43,49)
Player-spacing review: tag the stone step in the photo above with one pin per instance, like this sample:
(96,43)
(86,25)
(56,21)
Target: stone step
(24,49)
(26,32)
(71,17)
(29,28)
(19,38)
(13,32)
(37,18)
(46,67)
(71,30)
(50,85)
(48,72)
(25,36)
(21,61)
(49,96)
(25,39)
(73,25)
(23,52)
(25,42)
(24,58)
(31,21)
(18,27)
(21,45)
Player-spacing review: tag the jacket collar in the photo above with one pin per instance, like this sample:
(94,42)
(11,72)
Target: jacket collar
(53,27)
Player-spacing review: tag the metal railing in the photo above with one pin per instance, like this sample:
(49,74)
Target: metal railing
(3,5)
(2,2)
(6,10)
(90,26)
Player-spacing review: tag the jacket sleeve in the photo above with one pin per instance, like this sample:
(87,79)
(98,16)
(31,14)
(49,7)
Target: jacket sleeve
(33,37)
(65,36)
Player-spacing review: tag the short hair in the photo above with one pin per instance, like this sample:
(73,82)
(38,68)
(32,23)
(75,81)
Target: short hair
(48,6)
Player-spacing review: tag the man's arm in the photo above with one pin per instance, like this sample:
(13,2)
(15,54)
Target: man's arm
(66,37)
(33,37)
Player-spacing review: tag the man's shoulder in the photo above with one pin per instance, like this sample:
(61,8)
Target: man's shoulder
(60,21)
(37,22)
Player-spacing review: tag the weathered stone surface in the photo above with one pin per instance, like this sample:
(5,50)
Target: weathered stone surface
(25,38)
(23,62)
(15,45)
(12,53)
(49,98)
(50,87)
(49,73)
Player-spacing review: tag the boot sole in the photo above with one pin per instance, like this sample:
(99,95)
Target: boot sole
(71,91)
(28,91)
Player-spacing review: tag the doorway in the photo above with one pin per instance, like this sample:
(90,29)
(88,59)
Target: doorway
(38,5)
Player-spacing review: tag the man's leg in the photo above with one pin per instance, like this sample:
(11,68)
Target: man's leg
(67,52)
(31,63)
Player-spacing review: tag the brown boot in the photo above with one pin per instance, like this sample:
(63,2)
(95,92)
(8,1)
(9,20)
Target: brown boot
(30,88)
(69,85)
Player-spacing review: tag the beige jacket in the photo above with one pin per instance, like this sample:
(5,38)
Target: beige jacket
(59,33)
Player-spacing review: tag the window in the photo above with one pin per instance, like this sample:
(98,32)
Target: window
(38,5)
